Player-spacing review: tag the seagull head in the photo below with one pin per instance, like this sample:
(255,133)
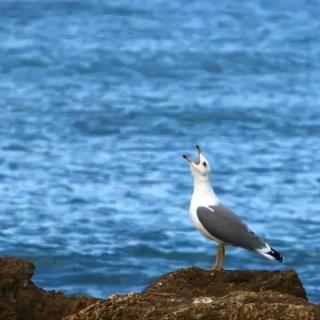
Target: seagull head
(200,168)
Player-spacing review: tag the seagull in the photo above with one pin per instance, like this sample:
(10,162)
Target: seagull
(218,223)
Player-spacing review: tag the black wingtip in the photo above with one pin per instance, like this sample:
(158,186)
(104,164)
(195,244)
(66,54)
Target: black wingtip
(277,255)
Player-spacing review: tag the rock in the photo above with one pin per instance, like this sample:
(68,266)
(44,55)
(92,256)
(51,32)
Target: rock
(21,299)
(205,295)
(187,294)
(193,282)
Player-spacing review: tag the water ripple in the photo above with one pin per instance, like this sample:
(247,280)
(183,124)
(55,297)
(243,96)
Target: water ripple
(99,100)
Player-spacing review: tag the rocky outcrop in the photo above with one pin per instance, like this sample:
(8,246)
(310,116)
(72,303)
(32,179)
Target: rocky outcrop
(194,282)
(21,299)
(205,295)
(182,295)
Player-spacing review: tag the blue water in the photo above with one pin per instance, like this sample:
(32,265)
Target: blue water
(99,100)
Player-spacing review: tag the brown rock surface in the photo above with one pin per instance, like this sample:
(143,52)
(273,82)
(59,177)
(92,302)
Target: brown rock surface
(21,299)
(190,294)
(186,294)
(193,282)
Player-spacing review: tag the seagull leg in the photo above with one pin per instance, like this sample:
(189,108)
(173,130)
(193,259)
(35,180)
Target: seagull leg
(221,249)
(215,265)
(218,264)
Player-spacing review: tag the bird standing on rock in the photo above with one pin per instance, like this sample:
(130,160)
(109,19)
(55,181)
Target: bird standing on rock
(218,223)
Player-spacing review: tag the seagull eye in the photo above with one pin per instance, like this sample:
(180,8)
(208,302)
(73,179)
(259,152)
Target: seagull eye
(204,164)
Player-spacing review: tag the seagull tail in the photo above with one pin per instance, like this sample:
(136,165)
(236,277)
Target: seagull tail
(271,254)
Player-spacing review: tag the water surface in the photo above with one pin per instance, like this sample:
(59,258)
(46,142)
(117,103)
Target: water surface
(99,100)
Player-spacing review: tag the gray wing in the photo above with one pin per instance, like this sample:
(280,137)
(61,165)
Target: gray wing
(224,225)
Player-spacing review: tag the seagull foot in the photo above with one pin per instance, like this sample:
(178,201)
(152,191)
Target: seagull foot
(215,268)
(218,269)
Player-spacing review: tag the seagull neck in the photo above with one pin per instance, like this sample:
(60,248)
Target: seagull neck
(202,185)
(202,189)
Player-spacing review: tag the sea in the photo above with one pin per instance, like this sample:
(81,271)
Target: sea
(99,99)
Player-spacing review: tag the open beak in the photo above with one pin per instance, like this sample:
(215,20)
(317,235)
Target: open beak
(189,159)
(198,149)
